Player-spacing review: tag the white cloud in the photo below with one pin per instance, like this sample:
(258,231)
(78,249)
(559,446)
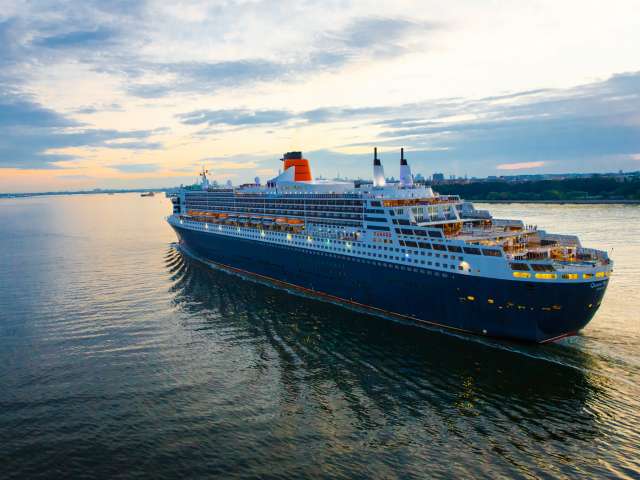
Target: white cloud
(520,166)
(308,71)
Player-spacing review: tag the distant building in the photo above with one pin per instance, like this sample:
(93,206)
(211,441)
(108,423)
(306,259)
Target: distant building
(438,177)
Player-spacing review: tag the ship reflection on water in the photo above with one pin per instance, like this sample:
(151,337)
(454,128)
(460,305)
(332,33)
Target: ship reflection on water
(390,394)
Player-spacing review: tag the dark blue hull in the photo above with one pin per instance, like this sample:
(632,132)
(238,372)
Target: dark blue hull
(526,311)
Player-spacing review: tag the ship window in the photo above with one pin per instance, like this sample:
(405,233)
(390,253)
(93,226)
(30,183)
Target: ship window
(522,274)
(599,274)
(491,253)
(437,246)
(453,248)
(587,275)
(519,266)
(546,276)
(541,267)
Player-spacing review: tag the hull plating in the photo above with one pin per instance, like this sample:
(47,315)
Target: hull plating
(526,311)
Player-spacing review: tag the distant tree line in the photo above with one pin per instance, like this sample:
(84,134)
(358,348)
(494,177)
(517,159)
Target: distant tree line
(594,188)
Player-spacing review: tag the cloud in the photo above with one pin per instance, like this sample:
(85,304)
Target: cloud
(234,117)
(234,162)
(141,42)
(74,177)
(20,112)
(201,77)
(190,53)
(128,145)
(98,108)
(589,127)
(564,129)
(563,126)
(7,42)
(30,132)
(520,166)
(376,37)
(136,167)
(330,114)
(77,39)
(248,117)
(361,38)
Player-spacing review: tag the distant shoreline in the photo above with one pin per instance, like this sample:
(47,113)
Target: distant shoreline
(542,202)
(87,192)
(560,202)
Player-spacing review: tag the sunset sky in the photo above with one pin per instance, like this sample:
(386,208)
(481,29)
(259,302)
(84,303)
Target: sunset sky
(142,94)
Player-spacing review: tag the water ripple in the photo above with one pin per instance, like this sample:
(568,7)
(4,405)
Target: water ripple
(122,357)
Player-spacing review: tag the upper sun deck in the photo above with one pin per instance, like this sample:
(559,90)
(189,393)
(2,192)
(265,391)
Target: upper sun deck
(391,196)
(296,181)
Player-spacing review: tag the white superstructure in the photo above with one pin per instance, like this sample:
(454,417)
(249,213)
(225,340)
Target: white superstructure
(402,224)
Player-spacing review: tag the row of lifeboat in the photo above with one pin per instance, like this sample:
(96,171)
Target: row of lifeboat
(253,220)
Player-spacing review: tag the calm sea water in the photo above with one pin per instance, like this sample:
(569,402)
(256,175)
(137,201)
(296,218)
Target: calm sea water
(121,358)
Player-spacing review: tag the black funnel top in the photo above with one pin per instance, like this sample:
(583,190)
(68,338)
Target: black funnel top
(376,160)
(403,161)
(293,156)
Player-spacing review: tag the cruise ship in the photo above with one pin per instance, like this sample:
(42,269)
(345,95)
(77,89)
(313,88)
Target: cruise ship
(396,249)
